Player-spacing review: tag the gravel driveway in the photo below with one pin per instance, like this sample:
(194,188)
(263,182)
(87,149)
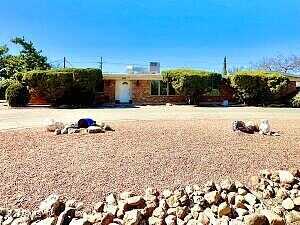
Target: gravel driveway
(138,154)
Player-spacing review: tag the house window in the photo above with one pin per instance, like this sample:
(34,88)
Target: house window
(159,87)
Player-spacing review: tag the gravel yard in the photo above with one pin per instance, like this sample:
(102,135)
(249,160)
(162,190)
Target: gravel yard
(166,153)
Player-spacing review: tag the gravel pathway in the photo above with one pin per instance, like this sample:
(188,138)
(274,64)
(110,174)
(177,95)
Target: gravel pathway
(34,163)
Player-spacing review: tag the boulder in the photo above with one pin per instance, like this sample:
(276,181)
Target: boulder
(273,218)
(136,202)
(297,201)
(66,216)
(94,130)
(132,217)
(250,198)
(155,221)
(52,206)
(256,219)
(171,220)
(212,197)
(224,209)
(286,177)
(288,204)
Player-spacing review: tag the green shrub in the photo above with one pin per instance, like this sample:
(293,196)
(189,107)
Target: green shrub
(258,87)
(295,102)
(3,86)
(17,94)
(65,86)
(193,83)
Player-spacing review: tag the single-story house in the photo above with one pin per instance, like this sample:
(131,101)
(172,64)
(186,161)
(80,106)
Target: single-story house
(139,89)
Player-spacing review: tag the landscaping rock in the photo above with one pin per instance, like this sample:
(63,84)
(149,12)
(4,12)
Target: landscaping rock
(256,219)
(288,204)
(286,176)
(224,209)
(94,130)
(132,217)
(212,197)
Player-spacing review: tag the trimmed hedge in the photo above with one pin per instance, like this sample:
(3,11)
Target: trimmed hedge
(258,87)
(193,83)
(17,94)
(65,86)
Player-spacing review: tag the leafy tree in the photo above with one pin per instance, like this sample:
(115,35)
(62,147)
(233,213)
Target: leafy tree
(31,57)
(28,59)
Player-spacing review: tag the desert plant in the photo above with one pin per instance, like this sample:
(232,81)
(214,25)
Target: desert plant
(17,94)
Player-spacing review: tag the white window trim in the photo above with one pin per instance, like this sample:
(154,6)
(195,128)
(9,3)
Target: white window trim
(159,89)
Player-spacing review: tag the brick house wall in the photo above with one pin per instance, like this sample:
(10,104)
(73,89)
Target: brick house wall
(141,94)
(109,90)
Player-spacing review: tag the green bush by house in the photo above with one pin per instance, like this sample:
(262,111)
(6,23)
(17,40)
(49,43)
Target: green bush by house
(193,83)
(65,86)
(17,94)
(295,102)
(258,87)
(4,84)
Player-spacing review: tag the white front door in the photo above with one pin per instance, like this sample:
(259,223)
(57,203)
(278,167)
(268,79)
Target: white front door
(124,92)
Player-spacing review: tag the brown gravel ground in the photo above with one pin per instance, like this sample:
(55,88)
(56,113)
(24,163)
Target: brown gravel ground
(34,163)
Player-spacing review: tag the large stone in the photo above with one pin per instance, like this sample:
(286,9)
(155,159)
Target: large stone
(94,130)
(241,212)
(126,194)
(159,212)
(203,218)
(155,221)
(286,177)
(288,204)
(227,185)
(273,218)
(66,216)
(181,212)
(107,218)
(194,222)
(132,217)
(99,206)
(293,216)
(173,201)
(170,220)
(256,219)
(250,198)
(224,209)
(8,220)
(212,197)
(297,201)
(167,193)
(52,205)
(136,202)
(111,199)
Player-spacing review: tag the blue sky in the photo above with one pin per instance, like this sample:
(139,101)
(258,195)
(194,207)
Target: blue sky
(186,33)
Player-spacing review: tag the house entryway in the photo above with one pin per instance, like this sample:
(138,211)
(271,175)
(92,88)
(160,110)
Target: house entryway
(124,91)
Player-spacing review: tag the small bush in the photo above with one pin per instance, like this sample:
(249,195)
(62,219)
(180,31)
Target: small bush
(4,84)
(16,94)
(65,86)
(193,83)
(258,87)
(295,102)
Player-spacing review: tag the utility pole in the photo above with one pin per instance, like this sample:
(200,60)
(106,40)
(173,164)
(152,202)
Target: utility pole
(64,62)
(101,64)
(225,66)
